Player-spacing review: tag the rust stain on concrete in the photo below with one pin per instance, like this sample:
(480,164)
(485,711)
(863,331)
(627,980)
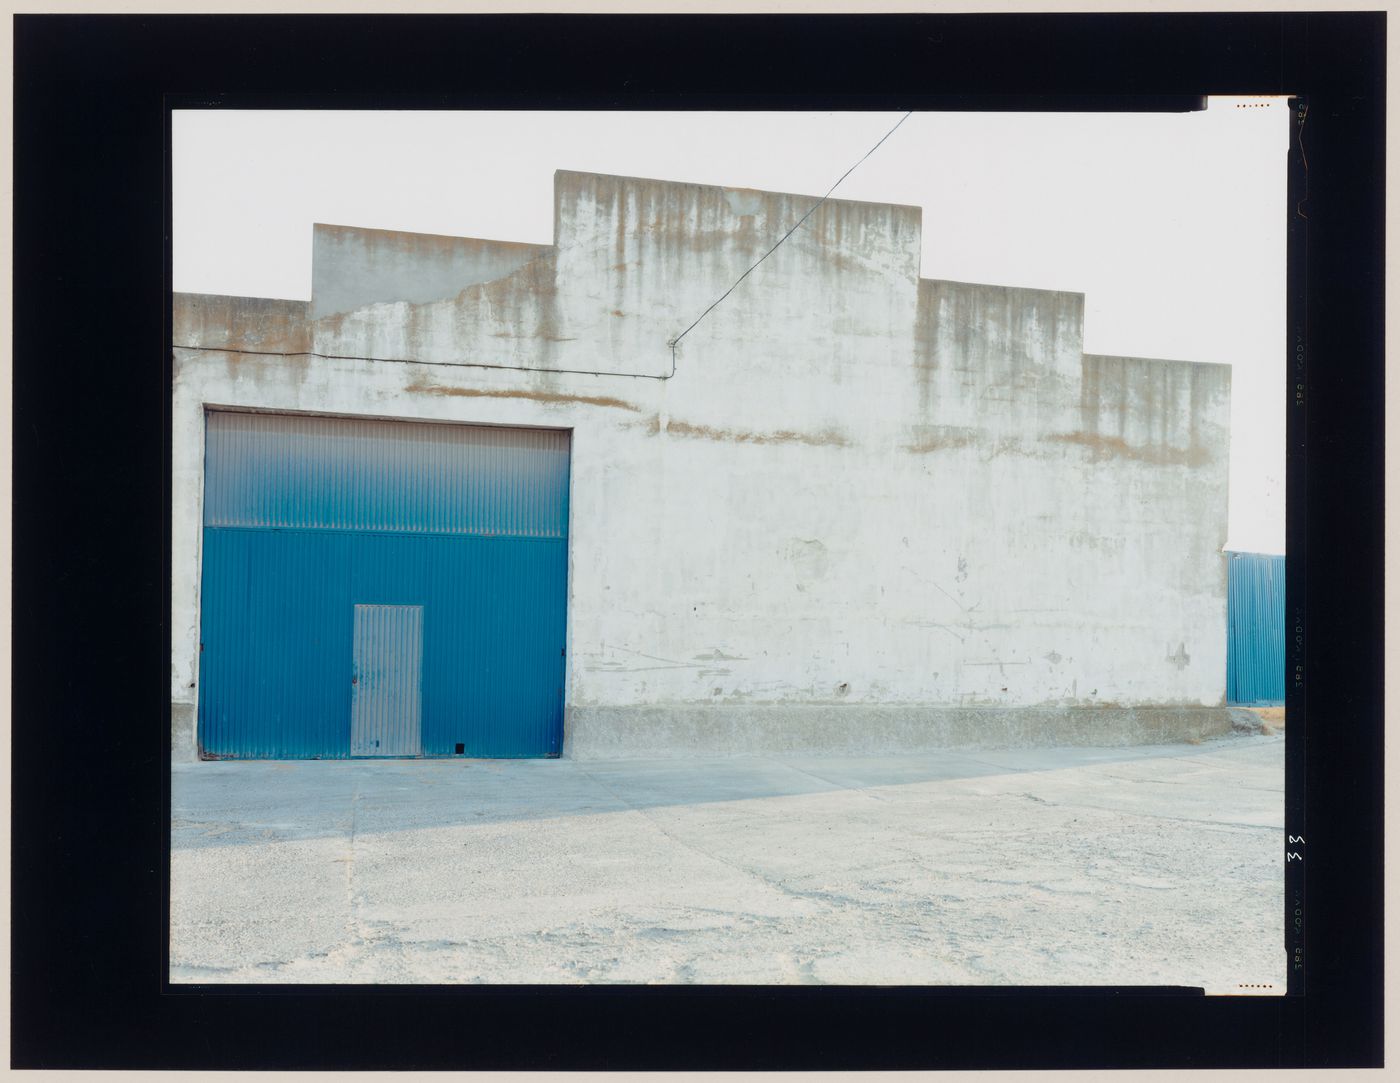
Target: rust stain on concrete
(265,366)
(553,397)
(825,438)
(1107,447)
(436,243)
(940,438)
(252,324)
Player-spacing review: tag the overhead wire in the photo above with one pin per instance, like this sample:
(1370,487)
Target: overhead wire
(675,341)
(672,343)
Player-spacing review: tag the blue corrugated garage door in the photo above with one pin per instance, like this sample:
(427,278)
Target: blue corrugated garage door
(381,588)
(1255,653)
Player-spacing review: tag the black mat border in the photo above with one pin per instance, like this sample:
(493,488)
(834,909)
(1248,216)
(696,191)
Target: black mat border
(91,466)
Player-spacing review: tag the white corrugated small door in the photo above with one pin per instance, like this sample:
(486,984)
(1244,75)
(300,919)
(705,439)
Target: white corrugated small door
(386,702)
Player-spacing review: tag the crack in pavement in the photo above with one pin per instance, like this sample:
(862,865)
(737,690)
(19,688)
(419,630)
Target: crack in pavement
(1185,782)
(1071,805)
(826,898)
(355,943)
(864,792)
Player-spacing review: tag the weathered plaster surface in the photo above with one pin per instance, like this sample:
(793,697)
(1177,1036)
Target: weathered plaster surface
(859,487)
(352,267)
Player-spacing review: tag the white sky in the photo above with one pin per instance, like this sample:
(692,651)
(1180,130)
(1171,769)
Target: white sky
(1173,225)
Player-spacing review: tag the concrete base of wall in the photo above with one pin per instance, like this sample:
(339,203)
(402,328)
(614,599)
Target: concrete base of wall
(182,744)
(595,733)
(592,733)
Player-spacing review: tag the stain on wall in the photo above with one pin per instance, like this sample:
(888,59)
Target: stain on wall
(420,387)
(352,267)
(825,438)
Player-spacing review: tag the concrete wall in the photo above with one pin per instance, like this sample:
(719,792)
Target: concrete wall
(870,509)
(352,267)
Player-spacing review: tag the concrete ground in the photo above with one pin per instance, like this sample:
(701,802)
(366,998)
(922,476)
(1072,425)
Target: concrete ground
(1150,865)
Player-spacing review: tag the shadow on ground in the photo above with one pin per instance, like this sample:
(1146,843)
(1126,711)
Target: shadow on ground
(226,803)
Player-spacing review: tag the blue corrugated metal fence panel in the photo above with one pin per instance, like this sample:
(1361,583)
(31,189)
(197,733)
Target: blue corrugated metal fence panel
(1257,630)
(278,601)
